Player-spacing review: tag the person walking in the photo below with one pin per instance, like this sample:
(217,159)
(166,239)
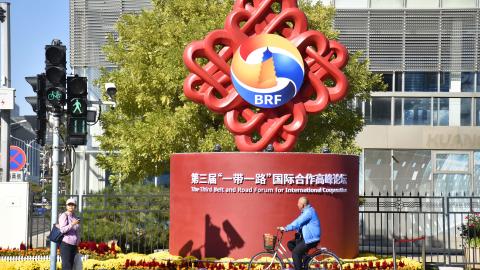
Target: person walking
(307,226)
(69,225)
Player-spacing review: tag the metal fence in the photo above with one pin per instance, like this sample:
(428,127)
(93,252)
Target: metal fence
(138,223)
(439,219)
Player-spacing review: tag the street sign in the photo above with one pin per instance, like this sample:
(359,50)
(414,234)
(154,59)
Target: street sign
(7,98)
(18,159)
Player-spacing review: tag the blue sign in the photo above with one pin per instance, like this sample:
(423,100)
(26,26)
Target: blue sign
(17,158)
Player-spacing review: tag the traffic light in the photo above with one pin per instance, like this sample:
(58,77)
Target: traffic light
(76,110)
(39,106)
(55,74)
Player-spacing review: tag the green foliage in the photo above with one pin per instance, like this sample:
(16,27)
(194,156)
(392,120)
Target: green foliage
(153,119)
(139,221)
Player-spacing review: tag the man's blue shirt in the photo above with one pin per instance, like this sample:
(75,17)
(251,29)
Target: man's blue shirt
(308,223)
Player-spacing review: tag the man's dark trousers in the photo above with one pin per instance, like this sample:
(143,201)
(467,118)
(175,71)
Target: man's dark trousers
(299,249)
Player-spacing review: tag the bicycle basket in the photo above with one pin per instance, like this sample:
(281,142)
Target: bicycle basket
(269,241)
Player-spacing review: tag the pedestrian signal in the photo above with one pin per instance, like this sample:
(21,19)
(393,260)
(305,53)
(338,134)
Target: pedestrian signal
(77,110)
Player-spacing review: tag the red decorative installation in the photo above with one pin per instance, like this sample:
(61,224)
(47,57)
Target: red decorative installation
(212,86)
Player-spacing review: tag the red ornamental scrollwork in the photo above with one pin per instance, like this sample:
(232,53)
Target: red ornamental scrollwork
(212,86)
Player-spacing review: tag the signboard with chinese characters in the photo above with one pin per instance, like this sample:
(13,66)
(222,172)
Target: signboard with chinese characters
(222,203)
(309,183)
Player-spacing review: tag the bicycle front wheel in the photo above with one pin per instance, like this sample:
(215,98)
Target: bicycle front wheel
(265,260)
(324,260)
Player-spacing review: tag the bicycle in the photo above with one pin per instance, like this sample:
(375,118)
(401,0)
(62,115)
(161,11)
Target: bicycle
(274,257)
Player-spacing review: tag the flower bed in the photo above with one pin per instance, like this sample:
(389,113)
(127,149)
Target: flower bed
(165,261)
(99,251)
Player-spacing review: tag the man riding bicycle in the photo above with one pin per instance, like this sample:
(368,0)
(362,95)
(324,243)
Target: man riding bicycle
(308,233)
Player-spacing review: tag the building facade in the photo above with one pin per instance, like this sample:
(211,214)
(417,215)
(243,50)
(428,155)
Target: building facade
(422,134)
(91,22)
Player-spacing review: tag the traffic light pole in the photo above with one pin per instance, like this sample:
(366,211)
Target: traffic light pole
(6,81)
(55,173)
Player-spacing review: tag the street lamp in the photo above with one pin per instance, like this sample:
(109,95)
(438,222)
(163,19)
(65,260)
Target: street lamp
(18,124)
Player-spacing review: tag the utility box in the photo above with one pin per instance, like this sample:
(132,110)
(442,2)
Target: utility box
(14,210)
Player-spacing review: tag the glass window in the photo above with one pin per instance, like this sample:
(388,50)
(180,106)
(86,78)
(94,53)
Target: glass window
(458,3)
(478,81)
(440,112)
(452,184)
(412,171)
(444,81)
(466,112)
(417,111)
(388,80)
(422,4)
(388,4)
(421,81)
(350,4)
(476,175)
(452,112)
(477,110)
(398,81)
(468,81)
(451,162)
(398,111)
(378,111)
(377,171)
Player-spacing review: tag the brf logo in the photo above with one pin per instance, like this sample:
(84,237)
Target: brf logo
(267,71)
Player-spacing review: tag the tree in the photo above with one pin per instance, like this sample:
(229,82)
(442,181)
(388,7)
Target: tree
(153,119)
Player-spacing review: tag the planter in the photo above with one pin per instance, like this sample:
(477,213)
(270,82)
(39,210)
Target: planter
(472,257)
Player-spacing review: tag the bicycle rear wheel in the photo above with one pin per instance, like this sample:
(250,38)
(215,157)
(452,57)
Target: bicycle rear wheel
(324,260)
(265,260)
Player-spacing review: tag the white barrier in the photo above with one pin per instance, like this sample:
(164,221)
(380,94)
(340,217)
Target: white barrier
(33,258)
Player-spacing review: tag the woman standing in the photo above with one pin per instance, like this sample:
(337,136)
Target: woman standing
(70,227)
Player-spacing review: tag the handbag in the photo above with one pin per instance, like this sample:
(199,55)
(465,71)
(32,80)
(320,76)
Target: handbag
(56,235)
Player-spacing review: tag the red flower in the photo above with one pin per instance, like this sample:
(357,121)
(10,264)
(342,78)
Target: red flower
(377,264)
(401,264)
(102,247)
(370,264)
(112,247)
(23,247)
(384,265)
(92,246)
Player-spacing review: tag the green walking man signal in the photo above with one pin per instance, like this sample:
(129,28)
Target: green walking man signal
(77,107)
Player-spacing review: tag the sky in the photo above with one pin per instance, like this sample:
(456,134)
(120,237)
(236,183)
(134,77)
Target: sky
(33,24)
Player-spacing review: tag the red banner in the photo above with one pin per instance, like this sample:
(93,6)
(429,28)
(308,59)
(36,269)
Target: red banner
(222,203)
